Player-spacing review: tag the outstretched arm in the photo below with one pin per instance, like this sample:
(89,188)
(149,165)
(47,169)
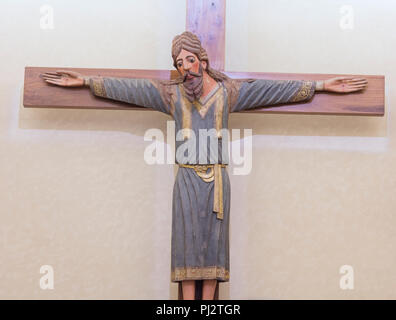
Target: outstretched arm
(261,93)
(147,93)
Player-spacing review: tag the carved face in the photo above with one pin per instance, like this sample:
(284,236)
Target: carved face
(191,69)
(188,62)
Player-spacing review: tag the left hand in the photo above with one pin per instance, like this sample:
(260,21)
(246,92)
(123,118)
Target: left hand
(345,84)
(64,78)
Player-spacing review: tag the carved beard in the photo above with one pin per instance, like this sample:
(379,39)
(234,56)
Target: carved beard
(193,87)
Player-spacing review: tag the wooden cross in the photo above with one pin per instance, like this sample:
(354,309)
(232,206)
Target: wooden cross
(207,20)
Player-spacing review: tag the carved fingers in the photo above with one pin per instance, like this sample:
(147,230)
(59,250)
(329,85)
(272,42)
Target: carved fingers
(72,74)
(63,78)
(345,84)
(355,84)
(54,78)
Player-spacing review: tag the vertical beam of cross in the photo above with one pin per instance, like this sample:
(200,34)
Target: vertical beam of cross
(207,20)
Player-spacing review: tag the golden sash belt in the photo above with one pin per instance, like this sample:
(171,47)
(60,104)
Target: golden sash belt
(214,174)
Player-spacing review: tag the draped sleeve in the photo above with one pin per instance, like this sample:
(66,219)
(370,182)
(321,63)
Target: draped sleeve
(261,93)
(148,93)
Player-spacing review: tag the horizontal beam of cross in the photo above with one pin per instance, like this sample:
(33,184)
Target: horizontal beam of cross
(40,94)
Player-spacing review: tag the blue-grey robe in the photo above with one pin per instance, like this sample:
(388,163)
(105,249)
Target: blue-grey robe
(200,240)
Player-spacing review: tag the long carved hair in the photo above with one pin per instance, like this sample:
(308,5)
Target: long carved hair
(190,42)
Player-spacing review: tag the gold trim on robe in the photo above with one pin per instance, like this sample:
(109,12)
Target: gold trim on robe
(186,116)
(219,115)
(97,86)
(198,273)
(304,91)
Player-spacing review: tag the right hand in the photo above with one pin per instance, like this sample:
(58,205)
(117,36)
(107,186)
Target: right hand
(64,78)
(345,84)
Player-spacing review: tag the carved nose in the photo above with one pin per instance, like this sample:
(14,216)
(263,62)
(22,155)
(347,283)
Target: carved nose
(186,66)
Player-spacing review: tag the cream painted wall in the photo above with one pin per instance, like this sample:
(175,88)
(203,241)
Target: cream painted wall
(76,193)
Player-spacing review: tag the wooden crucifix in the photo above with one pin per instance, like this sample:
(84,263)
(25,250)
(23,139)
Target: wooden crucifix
(201,96)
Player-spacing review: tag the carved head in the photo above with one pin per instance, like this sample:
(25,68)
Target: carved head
(189,42)
(191,60)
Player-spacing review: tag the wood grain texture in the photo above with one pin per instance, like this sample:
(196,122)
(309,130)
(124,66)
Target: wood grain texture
(39,94)
(207,20)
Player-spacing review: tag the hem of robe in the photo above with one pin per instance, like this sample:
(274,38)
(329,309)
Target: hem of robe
(200,273)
